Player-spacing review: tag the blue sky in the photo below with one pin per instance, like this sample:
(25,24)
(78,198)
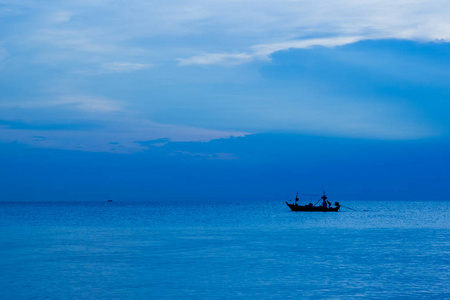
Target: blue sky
(239,94)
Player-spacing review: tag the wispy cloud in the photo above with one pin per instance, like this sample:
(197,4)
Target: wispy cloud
(223,32)
(89,104)
(118,67)
(217,58)
(219,155)
(263,51)
(112,67)
(80,103)
(124,135)
(59,44)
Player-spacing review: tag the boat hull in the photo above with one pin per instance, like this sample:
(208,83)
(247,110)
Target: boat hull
(294,207)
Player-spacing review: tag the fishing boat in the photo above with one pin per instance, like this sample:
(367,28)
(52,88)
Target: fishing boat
(326,205)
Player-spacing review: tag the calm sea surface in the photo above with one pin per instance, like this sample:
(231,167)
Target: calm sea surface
(142,250)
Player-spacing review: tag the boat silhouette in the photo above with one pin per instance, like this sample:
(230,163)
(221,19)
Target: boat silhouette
(326,205)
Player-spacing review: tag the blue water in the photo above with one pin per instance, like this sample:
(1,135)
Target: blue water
(123,250)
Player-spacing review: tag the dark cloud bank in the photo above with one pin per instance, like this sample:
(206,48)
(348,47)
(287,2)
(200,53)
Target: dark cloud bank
(261,166)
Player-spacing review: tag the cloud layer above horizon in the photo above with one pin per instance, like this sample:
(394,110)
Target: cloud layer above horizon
(81,75)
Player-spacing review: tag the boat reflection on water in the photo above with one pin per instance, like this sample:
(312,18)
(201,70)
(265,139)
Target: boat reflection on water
(326,205)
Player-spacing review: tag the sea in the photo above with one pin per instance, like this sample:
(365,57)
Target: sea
(223,250)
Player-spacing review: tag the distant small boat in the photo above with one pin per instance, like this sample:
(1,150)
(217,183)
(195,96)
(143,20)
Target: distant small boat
(109,200)
(326,205)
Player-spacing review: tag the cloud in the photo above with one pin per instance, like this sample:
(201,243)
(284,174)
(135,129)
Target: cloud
(263,51)
(118,67)
(123,134)
(210,32)
(89,104)
(219,155)
(216,58)
(378,89)
(302,24)
(59,17)
(321,115)
(80,103)
(355,118)
(112,67)
(58,44)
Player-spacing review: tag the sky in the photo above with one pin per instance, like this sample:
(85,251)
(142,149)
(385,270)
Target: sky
(218,100)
